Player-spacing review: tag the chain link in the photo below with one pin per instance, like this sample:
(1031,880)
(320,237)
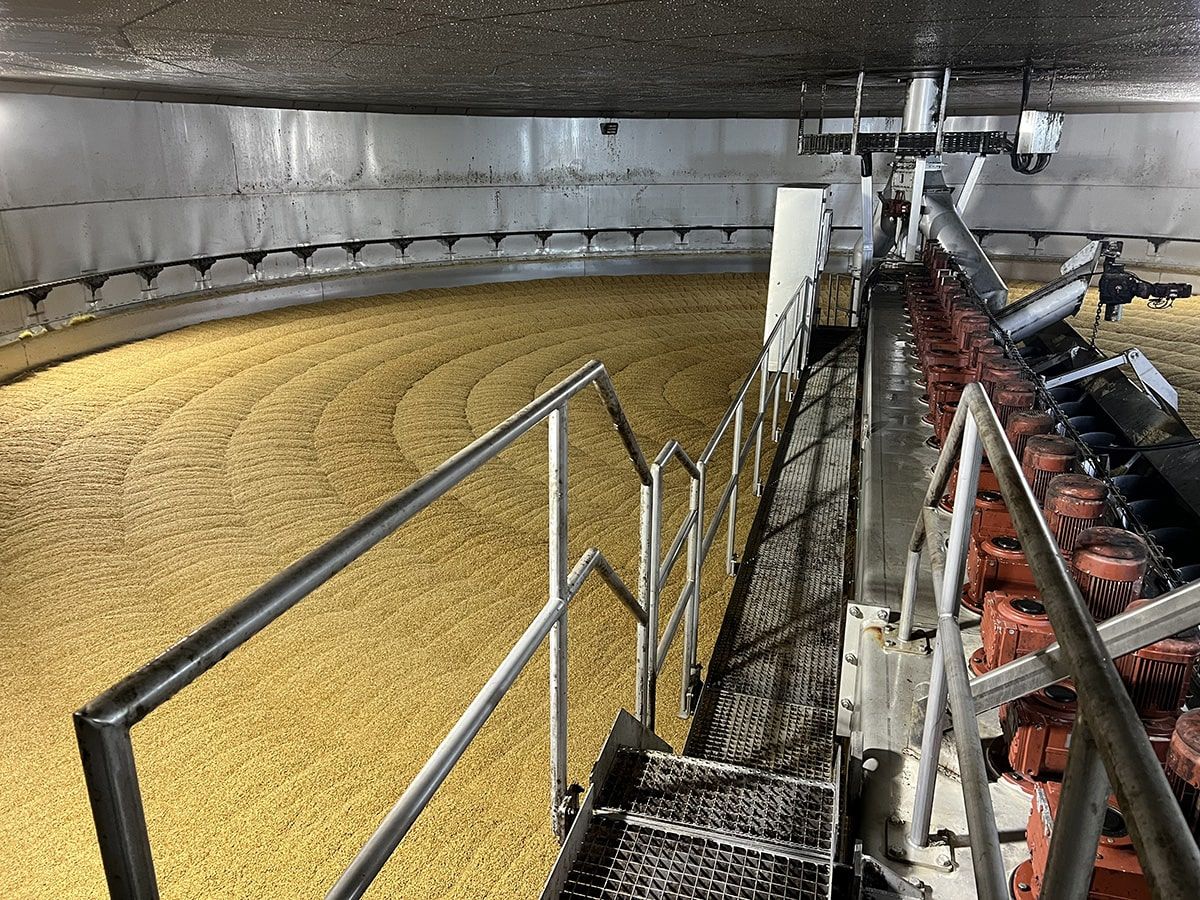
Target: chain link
(1096,324)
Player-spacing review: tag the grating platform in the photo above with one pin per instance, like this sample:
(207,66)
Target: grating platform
(792,813)
(624,860)
(750,810)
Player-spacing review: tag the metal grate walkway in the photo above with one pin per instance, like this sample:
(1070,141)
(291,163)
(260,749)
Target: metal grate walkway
(751,808)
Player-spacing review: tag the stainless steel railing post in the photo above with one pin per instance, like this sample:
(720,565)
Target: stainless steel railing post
(1080,818)
(112,786)
(969,459)
(691,622)
(789,364)
(652,608)
(735,475)
(807,310)
(986,859)
(647,580)
(761,419)
(558,570)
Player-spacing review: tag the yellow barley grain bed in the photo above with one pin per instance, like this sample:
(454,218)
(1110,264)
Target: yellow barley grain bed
(147,487)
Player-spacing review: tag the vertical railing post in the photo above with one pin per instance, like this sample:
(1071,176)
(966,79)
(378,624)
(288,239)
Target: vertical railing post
(691,621)
(908,594)
(781,340)
(558,570)
(1081,809)
(112,786)
(654,555)
(790,347)
(761,418)
(735,475)
(808,313)
(970,457)
(647,581)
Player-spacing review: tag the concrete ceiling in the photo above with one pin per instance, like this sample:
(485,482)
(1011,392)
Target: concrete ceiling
(649,57)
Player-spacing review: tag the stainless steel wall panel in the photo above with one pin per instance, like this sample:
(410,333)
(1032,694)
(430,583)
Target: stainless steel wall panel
(97,184)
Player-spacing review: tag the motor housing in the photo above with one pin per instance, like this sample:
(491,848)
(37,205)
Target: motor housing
(1074,503)
(1109,564)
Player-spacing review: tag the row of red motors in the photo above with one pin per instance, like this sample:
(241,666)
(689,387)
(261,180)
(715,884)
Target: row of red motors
(955,346)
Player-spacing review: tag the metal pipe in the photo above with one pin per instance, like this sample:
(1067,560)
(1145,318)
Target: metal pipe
(1079,820)
(112,786)
(941,118)
(920,105)
(1168,854)
(969,459)
(858,95)
(646,638)
(908,596)
(557,565)
(914,209)
(710,534)
(1023,319)
(738,399)
(654,538)
(757,429)
(968,188)
(941,222)
(594,560)
(696,553)
(135,696)
(375,853)
(677,546)
(668,633)
(986,859)
(735,473)
(937,484)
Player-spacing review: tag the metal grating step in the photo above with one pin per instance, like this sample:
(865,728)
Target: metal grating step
(794,813)
(619,859)
(744,730)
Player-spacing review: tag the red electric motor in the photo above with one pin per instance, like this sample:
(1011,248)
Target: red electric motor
(1046,455)
(1108,564)
(991,517)
(1038,728)
(1074,503)
(1183,767)
(998,371)
(1158,676)
(1012,396)
(987,482)
(995,564)
(1023,425)
(1117,874)
(1014,623)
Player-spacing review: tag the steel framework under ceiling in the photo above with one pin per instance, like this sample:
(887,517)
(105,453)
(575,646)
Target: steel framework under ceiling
(646,57)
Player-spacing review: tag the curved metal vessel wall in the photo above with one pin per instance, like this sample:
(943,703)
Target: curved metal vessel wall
(92,185)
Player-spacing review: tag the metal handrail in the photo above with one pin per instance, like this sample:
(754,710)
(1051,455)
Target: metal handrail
(789,338)
(103,725)
(1108,726)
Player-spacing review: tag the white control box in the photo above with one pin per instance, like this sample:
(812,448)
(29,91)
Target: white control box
(799,247)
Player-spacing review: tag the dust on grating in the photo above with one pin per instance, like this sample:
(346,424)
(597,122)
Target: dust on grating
(147,487)
(1170,338)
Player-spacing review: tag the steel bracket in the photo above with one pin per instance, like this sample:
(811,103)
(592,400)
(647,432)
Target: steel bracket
(859,620)
(938,854)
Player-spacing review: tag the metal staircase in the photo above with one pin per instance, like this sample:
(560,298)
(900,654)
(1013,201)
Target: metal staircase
(751,809)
